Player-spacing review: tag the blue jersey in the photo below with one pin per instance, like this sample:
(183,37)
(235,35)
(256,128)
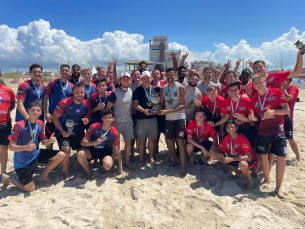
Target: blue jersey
(73,81)
(74,112)
(89,90)
(21,134)
(56,90)
(29,93)
(94,100)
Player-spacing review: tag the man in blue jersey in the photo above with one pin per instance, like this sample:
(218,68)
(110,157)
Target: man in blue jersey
(57,90)
(30,91)
(75,77)
(23,140)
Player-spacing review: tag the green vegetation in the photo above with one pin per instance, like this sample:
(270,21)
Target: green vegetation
(14,75)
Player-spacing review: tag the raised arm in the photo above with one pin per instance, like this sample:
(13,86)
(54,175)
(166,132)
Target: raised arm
(222,78)
(298,66)
(183,59)
(237,65)
(175,63)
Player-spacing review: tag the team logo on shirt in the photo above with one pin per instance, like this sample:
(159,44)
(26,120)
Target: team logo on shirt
(270,80)
(175,94)
(77,111)
(242,108)
(271,98)
(12,132)
(20,91)
(256,105)
(229,108)
(228,146)
(58,107)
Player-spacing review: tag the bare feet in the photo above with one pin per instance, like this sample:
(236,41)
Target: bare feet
(4,179)
(279,193)
(45,179)
(121,172)
(88,175)
(265,181)
(68,177)
(182,173)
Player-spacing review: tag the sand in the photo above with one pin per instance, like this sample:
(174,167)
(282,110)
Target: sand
(155,196)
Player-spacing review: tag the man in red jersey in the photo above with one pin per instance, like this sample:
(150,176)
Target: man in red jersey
(275,80)
(268,107)
(198,132)
(236,152)
(7,104)
(291,93)
(229,77)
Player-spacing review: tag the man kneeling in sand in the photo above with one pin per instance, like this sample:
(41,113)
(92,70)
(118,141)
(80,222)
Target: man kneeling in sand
(235,152)
(198,132)
(23,140)
(102,141)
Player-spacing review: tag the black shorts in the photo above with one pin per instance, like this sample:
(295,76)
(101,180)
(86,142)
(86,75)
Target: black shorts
(161,123)
(250,134)
(50,129)
(175,129)
(5,130)
(73,140)
(98,153)
(288,127)
(25,174)
(278,147)
(207,145)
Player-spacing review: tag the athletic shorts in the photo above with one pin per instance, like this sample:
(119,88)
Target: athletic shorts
(126,129)
(146,128)
(25,174)
(288,127)
(175,129)
(278,147)
(250,134)
(207,145)
(73,140)
(98,153)
(5,130)
(161,123)
(50,129)
(251,164)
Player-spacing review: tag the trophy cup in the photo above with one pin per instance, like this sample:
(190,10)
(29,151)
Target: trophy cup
(155,100)
(70,125)
(300,46)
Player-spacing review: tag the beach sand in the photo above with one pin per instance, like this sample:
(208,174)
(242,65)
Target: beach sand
(155,196)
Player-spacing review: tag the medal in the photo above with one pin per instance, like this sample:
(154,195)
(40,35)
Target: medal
(261,113)
(170,101)
(64,89)
(39,101)
(88,91)
(33,135)
(234,111)
(38,92)
(148,103)
(148,97)
(190,104)
(190,98)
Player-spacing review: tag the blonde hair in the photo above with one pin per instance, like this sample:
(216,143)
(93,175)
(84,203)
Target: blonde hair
(259,75)
(212,88)
(86,69)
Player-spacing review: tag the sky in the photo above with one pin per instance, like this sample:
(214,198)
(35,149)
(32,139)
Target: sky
(90,32)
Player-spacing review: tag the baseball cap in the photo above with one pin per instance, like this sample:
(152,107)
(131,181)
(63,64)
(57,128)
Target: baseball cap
(125,74)
(146,73)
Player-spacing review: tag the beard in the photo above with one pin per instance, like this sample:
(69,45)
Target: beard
(192,84)
(76,75)
(78,98)
(181,76)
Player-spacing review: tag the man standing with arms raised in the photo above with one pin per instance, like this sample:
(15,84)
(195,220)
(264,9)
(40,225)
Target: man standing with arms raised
(57,90)
(121,101)
(207,75)
(269,105)
(173,97)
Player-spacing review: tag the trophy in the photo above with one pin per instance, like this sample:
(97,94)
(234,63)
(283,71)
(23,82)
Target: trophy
(70,125)
(155,100)
(300,46)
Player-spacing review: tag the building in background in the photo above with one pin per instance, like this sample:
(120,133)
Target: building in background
(158,51)
(200,65)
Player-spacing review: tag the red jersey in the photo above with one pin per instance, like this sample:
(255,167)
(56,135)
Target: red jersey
(250,85)
(294,91)
(274,125)
(240,146)
(7,97)
(214,110)
(160,84)
(275,80)
(200,133)
(225,93)
(244,108)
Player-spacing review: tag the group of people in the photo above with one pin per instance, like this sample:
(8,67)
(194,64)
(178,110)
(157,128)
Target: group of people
(248,122)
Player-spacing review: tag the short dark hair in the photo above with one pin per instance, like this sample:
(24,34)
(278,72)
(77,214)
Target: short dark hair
(142,62)
(207,68)
(259,61)
(159,67)
(194,74)
(136,70)
(107,111)
(230,71)
(156,69)
(230,121)
(76,66)
(78,85)
(170,69)
(234,83)
(34,66)
(200,109)
(35,104)
(246,70)
(99,80)
(64,66)
(181,67)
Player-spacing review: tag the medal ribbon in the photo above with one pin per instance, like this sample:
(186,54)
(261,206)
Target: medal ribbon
(158,85)
(260,103)
(38,91)
(32,135)
(169,94)
(191,98)
(232,148)
(199,132)
(101,98)
(88,91)
(74,81)
(64,89)
(105,132)
(215,104)
(148,98)
(234,111)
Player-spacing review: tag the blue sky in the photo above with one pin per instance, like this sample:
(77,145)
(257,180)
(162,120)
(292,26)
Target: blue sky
(196,24)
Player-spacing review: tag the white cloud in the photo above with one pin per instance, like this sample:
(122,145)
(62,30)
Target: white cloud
(47,46)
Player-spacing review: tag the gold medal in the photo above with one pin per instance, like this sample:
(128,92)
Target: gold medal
(261,114)
(190,104)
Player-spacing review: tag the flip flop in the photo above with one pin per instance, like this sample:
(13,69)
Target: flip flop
(141,164)
(153,163)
